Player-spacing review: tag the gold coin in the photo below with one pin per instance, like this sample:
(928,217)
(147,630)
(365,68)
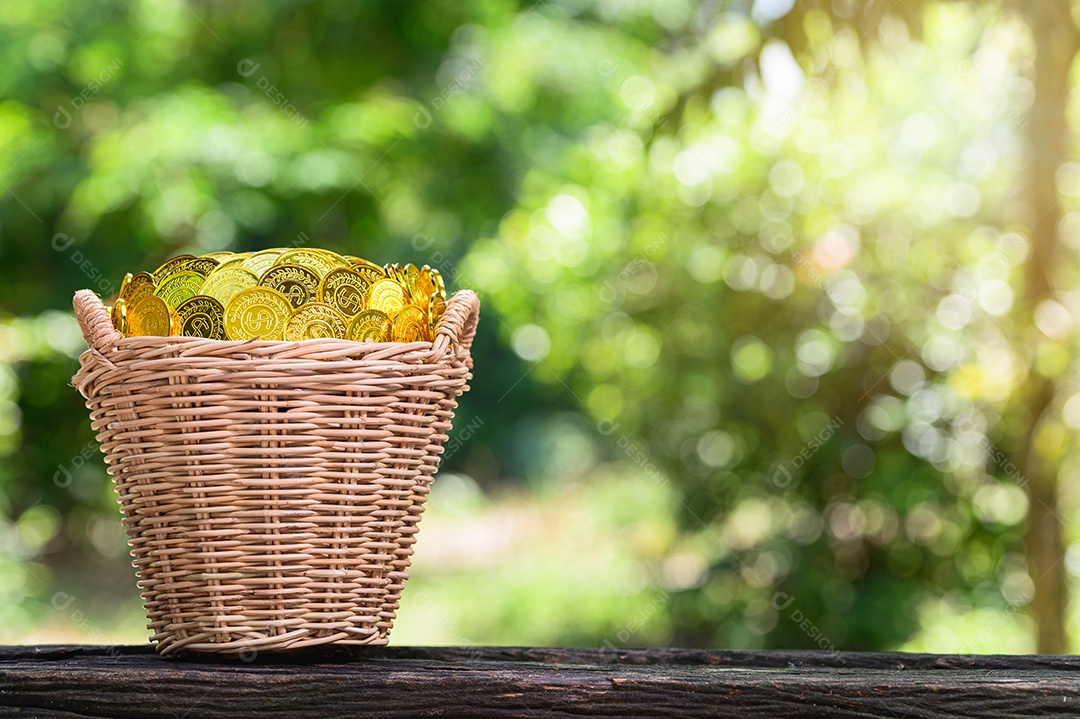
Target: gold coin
(411,274)
(257,312)
(200,265)
(124,284)
(202,317)
(427,281)
(358,263)
(233,261)
(223,284)
(368,270)
(152,317)
(178,287)
(320,262)
(260,262)
(386,296)
(172,266)
(140,285)
(219,257)
(344,290)
(315,320)
(370,326)
(118,312)
(331,255)
(437,281)
(421,288)
(371,274)
(300,284)
(397,273)
(436,309)
(411,325)
(336,257)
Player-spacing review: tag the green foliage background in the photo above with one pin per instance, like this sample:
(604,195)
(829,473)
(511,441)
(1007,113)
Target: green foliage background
(747,288)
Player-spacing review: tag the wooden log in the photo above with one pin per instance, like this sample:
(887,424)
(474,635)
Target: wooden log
(75,682)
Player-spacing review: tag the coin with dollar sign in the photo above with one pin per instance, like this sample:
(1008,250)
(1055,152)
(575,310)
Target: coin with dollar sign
(260,262)
(410,325)
(345,290)
(297,282)
(257,313)
(370,326)
(315,321)
(152,317)
(179,287)
(224,282)
(386,296)
(202,317)
(320,262)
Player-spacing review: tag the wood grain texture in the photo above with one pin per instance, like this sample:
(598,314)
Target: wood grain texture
(533,682)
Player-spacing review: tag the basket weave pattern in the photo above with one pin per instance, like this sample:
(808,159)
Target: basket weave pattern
(271,490)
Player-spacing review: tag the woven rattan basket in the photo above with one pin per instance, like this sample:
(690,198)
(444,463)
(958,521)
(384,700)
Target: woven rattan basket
(271,490)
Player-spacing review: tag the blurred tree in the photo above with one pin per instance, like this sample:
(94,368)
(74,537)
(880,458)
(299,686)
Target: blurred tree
(810,322)
(1040,453)
(1033,401)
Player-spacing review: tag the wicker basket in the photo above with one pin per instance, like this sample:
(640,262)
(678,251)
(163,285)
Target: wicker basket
(271,490)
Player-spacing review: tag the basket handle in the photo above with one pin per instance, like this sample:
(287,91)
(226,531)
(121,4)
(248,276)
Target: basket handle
(96,325)
(459,320)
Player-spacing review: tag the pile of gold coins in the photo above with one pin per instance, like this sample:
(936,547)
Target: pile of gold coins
(281,294)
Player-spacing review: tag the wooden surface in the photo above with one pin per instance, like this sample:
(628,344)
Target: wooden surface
(533,682)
